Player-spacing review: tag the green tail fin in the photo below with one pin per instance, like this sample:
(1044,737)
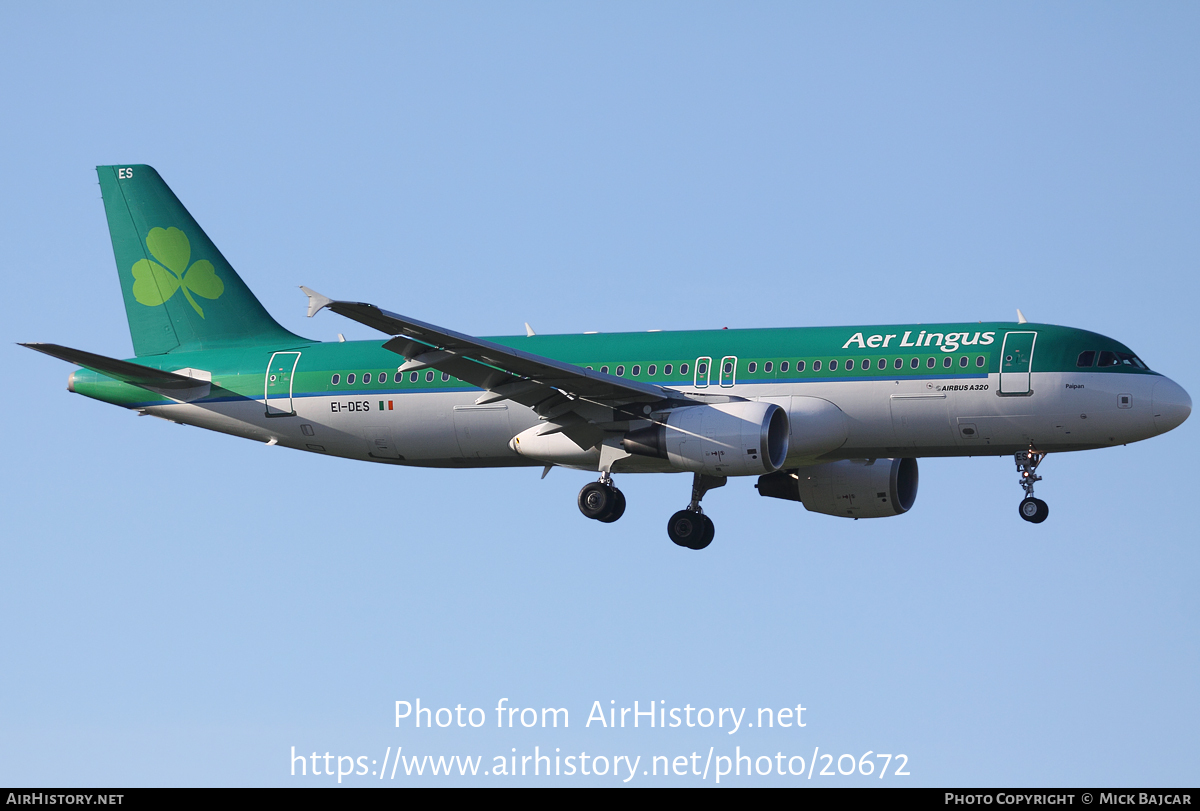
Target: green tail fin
(180,293)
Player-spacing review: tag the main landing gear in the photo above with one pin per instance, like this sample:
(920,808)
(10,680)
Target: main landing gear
(1033,510)
(690,527)
(601,500)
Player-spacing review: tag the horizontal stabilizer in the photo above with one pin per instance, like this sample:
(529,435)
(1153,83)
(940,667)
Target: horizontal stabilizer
(171,384)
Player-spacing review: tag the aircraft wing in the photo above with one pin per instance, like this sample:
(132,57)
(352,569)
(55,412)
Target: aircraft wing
(546,384)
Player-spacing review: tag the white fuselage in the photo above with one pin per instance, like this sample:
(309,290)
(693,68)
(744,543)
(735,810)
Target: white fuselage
(829,420)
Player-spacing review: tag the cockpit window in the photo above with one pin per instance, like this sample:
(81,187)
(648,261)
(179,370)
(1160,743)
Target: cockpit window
(1086,358)
(1108,359)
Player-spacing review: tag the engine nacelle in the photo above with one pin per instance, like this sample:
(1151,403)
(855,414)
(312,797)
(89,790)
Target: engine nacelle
(726,439)
(850,488)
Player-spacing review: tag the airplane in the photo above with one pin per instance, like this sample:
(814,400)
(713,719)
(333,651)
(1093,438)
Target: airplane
(832,417)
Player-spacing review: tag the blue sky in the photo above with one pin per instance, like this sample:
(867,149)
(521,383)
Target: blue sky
(182,608)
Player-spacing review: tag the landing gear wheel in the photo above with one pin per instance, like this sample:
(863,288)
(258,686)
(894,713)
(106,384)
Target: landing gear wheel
(597,500)
(690,529)
(618,508)
(1034,510)
(710,530)
(685,527)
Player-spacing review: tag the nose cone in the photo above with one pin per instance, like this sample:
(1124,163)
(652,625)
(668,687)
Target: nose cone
(1171,405)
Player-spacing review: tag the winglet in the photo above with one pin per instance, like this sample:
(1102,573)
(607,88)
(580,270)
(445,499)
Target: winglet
(1021,319)
(316,302)
(529,333)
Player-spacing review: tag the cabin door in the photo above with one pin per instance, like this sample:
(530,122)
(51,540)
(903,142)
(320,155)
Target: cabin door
(277,393)
(1016,363)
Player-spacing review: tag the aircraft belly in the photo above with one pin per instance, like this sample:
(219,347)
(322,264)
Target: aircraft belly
(867,416)
(921,418)
(242,418)
(483,431)
(422,426)
(939,417)
(1066,411)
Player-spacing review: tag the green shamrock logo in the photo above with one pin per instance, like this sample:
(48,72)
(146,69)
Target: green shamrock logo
(155,283)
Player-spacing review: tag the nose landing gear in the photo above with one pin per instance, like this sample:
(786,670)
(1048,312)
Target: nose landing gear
(1033,510)
(690,527)
(601,500)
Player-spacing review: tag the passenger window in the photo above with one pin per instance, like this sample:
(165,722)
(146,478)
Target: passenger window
(883,363)
(652,370)
(683,369)
(445,377)
(753,367)
(783,367)
(1108,359)
(350,379)
(800,366)
(413,377)
(637,370)
(1086,359)
(931,363)
(915,363)
(702,369)
(947,363)
(899,363)
(962,362)
(398,378)
(336,379)
(979,361)
(429,376)
(603,370)
(366,378)
(816,365)
(728,368)
(767,367)
(850,364)
(833,365)
(667,370)
(620,371)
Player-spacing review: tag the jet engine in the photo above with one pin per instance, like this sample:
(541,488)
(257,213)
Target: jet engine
(851,488)
(726,439)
